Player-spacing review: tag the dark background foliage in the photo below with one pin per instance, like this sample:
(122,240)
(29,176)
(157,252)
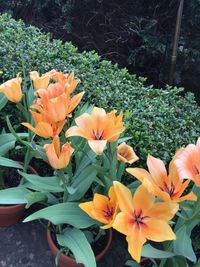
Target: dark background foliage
(136,34)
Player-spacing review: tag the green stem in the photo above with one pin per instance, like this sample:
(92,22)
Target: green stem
(65,184)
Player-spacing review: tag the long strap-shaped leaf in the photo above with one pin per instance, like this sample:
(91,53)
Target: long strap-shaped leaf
(68,213)
(15,195)
(75,240)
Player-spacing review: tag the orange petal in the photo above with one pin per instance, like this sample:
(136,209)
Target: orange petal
(142,199)
(157,170)
(135,242)
(139,173)
(75,100)
(97,146)
(123,224)
(158,230)
(155,190)
(163,210)
(88,207)
(98,112)
(124,197)
(42,129)
(100,201)
(190,196)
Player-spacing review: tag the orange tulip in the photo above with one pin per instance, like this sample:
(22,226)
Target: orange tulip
(66,80)
(44,127)
(187,161)
(58,108)
(98,128)
(12,89)
(167,187)
(142,219)
(40,81)
(126,154)
(102,208)
(58,157)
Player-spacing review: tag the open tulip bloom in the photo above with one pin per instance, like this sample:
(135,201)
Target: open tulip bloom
(142,219)
(98,128)
(167,187)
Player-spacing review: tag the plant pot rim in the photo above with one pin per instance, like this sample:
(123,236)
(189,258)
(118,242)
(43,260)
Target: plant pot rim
(54,248)
(11,207)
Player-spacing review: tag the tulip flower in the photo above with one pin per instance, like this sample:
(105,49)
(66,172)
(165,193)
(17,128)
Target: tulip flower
(102,208)
(58,108)
(40,81)
(58,157)
(142,219)
(167,187)
(66,80)
(44,127)
(126,154)
(98,128)
(12,89)
(187,161)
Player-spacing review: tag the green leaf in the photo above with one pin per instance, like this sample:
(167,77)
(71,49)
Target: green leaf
(183,244)
(3,101)
(30,96)
(82,182)
(60,251)
(10,163)
(15,195)
(150,252)
(75,240)
(7,142)
(50,184)
(68,213)
(34,197)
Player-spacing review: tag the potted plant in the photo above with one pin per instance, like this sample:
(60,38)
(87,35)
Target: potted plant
(86,165)
(12,200)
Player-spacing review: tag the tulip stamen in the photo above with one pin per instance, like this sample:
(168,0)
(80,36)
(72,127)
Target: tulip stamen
(108,212)
(169,190)
(98,135)
(138,218)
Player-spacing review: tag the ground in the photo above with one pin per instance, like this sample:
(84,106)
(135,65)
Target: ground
(25,245)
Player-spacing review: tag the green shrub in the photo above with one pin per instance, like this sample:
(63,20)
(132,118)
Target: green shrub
(159,121)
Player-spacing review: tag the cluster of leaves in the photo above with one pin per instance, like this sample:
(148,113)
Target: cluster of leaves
(159,121)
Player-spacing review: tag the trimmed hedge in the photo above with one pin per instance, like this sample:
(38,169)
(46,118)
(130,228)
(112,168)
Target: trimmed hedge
(159,121)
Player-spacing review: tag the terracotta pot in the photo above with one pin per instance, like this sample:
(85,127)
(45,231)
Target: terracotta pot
(66,261)
(12,214)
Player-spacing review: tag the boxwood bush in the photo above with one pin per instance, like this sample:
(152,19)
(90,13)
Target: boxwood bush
(159,121)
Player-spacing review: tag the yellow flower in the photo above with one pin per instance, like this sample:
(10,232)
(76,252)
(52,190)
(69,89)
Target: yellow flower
(58,157)
(98,128)
(12,89)
(40,81)
(142,219)
(102,208)
(167,187)
(126,154)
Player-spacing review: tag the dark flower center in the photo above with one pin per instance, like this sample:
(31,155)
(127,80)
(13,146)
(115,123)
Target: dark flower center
(108,212)
(170,190)
(138,218)
(98,135)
